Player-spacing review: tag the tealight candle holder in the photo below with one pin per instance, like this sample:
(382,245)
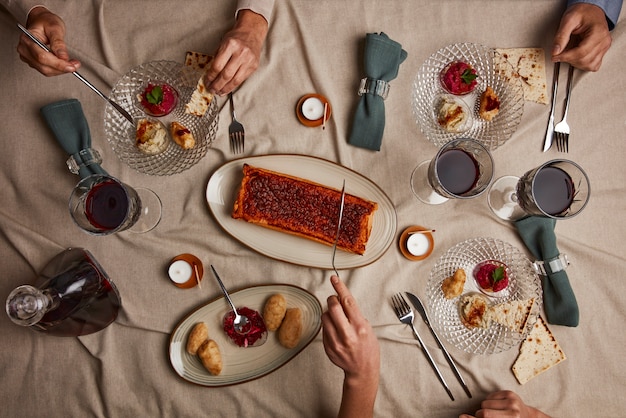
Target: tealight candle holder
(416,243)
(185,271)
(313,110)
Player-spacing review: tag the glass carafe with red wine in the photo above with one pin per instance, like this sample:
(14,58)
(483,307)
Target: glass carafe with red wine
(72,296)
(462,169)
(102,205)
(557,189)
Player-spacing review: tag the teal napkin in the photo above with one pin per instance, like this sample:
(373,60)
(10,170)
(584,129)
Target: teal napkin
(382,60)
(69,126)
(559,301)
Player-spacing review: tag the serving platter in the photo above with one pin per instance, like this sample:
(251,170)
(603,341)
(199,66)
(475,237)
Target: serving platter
(492,69)
(523,284)
(243,364)
(224,184)
(120,134)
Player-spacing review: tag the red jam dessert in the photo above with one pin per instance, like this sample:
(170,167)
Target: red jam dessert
(254,333)
(458,78)
(158,99)
(491,276)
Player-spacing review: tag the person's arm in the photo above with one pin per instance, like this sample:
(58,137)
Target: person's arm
(351,344)
(50,29)
(239,53)
(583,36)
(505,403)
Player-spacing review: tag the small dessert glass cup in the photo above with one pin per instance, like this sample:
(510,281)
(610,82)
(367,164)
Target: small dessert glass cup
(451,80)
(489,291)
(167,105)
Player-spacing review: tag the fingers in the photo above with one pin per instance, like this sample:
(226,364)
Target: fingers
(345,298)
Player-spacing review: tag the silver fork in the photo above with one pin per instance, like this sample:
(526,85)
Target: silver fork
(235,131)
(561,129)
(406,316)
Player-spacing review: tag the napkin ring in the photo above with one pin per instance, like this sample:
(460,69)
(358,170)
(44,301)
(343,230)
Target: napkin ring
(554,265)
(375,87)
(83,158)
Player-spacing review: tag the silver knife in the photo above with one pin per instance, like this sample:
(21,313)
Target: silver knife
(547,142)
(116,106)
(341,205)
(419,307)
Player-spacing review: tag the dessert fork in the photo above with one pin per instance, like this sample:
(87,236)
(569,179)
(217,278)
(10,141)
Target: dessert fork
(561,130)
(406,316)
(235,131)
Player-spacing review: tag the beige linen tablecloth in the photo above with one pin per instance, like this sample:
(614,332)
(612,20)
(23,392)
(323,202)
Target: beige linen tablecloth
(313,46)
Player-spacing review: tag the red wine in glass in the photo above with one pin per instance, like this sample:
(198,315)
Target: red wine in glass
(553,190)
(458,171)
(106,205)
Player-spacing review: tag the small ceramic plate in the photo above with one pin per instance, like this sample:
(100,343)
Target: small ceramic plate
(243,364)
(313,123)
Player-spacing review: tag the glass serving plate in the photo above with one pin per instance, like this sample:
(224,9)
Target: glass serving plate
(121,135)
(523,284)
(491,69)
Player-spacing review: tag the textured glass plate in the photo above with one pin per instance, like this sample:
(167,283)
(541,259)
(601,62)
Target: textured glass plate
(224,184)
(243,364)
(523,284)
(491,68)
(121,135)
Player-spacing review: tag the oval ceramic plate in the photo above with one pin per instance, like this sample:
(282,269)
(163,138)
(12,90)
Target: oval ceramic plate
(243,364)
(491,69)
(523,284)
(224,184)
(121,135)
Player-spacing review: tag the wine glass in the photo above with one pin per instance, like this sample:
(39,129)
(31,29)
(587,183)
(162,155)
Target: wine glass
(557,189)
(102,205)
(462,169)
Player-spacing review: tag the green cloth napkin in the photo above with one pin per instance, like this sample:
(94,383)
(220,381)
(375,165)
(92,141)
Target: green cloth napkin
(69,126)
(559,301)
(382,60)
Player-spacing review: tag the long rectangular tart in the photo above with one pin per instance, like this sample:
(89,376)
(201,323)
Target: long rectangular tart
(303,208)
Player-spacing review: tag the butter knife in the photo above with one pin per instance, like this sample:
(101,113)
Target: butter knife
(419,307)
(547,142)
(116,106)
(341,205)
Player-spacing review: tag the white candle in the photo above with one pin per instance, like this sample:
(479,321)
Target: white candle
(313,108)
(417,244)
(180,271)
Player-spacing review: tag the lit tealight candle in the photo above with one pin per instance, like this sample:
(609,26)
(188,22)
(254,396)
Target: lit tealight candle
(180,271)
(313,108)
(417,244)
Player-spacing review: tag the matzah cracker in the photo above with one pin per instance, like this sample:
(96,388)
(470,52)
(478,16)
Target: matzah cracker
(530,66)
(538,352)
(513,314)
(197,60)
(200,99)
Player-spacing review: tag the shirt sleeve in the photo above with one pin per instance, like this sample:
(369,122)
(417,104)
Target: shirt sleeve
(20,8)
(262,7)
(611,9)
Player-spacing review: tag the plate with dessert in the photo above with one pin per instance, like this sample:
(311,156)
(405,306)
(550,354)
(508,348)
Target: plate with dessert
(463,90)
(483,296)
(175,118)
(201,349)
(287,207)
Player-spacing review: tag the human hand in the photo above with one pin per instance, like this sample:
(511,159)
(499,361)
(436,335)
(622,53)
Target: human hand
(505,403)
(584,27)
(50,29)
(349,340)
(238,55)
(351,344)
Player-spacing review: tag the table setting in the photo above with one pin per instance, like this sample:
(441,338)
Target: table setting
(351,112)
